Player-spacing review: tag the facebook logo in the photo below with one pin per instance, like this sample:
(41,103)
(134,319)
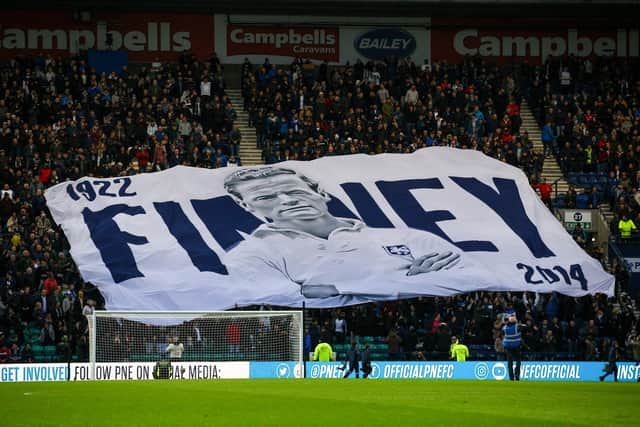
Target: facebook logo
(402,250)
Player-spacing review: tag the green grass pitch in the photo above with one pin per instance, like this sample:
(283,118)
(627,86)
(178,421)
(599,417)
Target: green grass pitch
(326,403)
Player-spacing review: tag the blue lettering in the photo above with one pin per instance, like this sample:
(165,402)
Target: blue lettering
(563,273)
(86,189)
(548,275)
(575,271)
(223,218)
(9,374)
(104,187)
(113,243)
(72,193)
(398,193)
(202,256)
(126,182)
(370,212)
(506,202)
(528,274)
(337,208)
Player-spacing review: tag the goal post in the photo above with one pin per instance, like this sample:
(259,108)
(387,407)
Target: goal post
(230,342)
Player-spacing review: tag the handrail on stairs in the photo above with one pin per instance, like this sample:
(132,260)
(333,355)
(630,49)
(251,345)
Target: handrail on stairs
(555,187)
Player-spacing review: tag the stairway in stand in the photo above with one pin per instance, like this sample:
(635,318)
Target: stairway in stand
(249,154)
(550,169)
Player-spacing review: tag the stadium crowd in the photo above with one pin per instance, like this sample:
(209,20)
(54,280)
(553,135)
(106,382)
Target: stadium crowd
(555,327)
(61,120)
(391,106)
(589,111)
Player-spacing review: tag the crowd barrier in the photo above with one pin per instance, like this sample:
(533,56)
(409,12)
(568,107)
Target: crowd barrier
(531,371)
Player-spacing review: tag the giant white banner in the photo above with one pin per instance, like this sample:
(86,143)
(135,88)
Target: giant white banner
(331,232)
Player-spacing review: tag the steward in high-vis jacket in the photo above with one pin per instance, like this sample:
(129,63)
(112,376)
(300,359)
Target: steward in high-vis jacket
(512,341)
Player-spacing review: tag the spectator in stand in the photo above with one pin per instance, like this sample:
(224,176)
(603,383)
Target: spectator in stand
(594,198)
(50,284)
(625,227)
(548,139)
(394,341)
(27,354)
(175,349)
(597,123)
(579,235)
(340,328)
(5,351)
(582,200)
(16,353)
(232,333)
(6,191)
(545,190)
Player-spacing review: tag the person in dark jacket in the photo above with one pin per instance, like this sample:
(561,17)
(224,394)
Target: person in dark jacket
(365,359)
(353,360)
(163,369)
(612,365)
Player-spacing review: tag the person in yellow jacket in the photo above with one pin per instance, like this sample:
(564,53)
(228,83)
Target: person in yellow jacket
(323,352)
(459,351)
(625,227)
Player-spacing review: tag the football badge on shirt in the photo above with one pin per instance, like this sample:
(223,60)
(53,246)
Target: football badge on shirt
(399,250)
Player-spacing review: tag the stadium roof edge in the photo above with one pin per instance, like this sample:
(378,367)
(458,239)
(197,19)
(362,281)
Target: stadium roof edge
(449,8)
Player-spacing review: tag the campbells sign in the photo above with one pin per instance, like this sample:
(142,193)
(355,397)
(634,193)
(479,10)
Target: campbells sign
(536,45)
(384,43)
(304,42)
(144,36)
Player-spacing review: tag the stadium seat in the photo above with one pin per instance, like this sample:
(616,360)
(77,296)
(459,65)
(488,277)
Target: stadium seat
(558,202)
(340,347)
(380,347)
(582,179)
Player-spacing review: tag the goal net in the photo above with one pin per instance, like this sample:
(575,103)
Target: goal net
(195,342)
